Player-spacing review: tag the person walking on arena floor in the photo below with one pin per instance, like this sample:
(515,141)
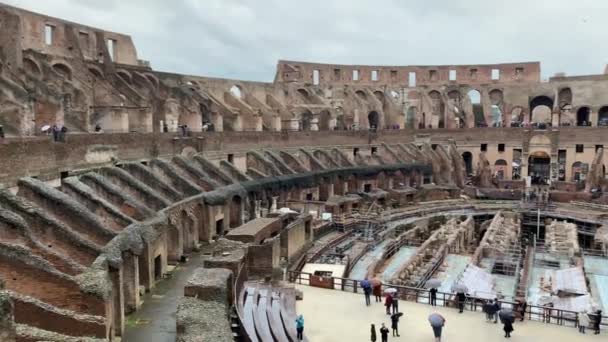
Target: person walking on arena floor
(437,323)
(395,323)
(377,290)
(388,302)
(384,333)
(367,291)
(597,321)
(373,331)
(461,297)
(395,303)
(300,327)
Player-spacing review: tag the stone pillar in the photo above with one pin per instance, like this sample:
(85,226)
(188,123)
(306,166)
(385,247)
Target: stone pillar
(237,125)
(273,206)
(258,122)
(130,282)
(593,117)
(218,121)
(276,123)
(118,312)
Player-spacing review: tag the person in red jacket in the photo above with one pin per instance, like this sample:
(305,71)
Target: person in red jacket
(388,302)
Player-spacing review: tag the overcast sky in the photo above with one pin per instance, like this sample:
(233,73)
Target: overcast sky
(244,39)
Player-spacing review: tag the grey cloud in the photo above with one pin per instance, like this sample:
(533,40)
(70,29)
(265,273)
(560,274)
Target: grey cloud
(243,39)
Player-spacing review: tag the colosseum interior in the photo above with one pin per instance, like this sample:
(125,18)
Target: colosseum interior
(207,203)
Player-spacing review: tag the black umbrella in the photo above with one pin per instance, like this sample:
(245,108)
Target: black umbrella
(507,315)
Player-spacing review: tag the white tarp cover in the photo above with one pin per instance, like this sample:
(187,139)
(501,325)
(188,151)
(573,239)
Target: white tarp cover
(569,281)
(481,283)
(575,303)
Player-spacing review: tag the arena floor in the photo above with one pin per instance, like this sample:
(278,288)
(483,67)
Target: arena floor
(340,316)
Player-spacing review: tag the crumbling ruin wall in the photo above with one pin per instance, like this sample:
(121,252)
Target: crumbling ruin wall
(562,238)
(7,320)
(502,232)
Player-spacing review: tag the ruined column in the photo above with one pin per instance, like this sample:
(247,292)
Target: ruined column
(218,121)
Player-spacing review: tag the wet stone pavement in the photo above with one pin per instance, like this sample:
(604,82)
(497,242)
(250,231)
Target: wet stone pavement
(155,320)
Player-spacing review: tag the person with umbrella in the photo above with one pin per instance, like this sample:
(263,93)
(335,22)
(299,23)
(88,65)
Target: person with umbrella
(395,323)
(597,321)
(367,290)
(388,302)
(384,333)
(437,323)
(373,331)
(377,289)
(507,317)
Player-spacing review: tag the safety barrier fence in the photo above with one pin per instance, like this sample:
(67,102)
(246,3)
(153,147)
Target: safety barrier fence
(544,314)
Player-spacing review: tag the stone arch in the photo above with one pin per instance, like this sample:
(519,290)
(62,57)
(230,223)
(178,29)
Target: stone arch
(468,162)
(379,95)
(437,109)
(546,108)
(539,163)
(564,97)
(582,116)
(361,94)
(142,81)
(96,72)
(602,116)
(373,119)
(474,96)
(577,171)
(236,91)
(517,116)
(63,69)
(32,67)
(496,105)
(325,121)
(125,75)
(500,169)
(303,92)
(236,211)
(153,79)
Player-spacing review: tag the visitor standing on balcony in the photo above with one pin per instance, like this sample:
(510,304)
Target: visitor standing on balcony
(388,302)
(433,293)
(496,310)
(461,297)
(377,290)
(300,327)
(583,321)
(367,291)
(395,323)
(597,322)
(384,333)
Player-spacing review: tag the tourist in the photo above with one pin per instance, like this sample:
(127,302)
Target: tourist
(1,132)
(55,131)
(395,303)
(367,290)
(583,321)
(597,321)
(433,293)
(507,327)
(63,132)
(97,128)
(496,308)
(377,290)
(522,310)
(373,338)
(165,128)
(395,323)
(384,333)
(488,308)
(437,323)
(300,327)
(388,302)
(461,297)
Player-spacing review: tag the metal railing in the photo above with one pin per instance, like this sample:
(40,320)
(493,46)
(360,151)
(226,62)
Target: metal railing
(544,314)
